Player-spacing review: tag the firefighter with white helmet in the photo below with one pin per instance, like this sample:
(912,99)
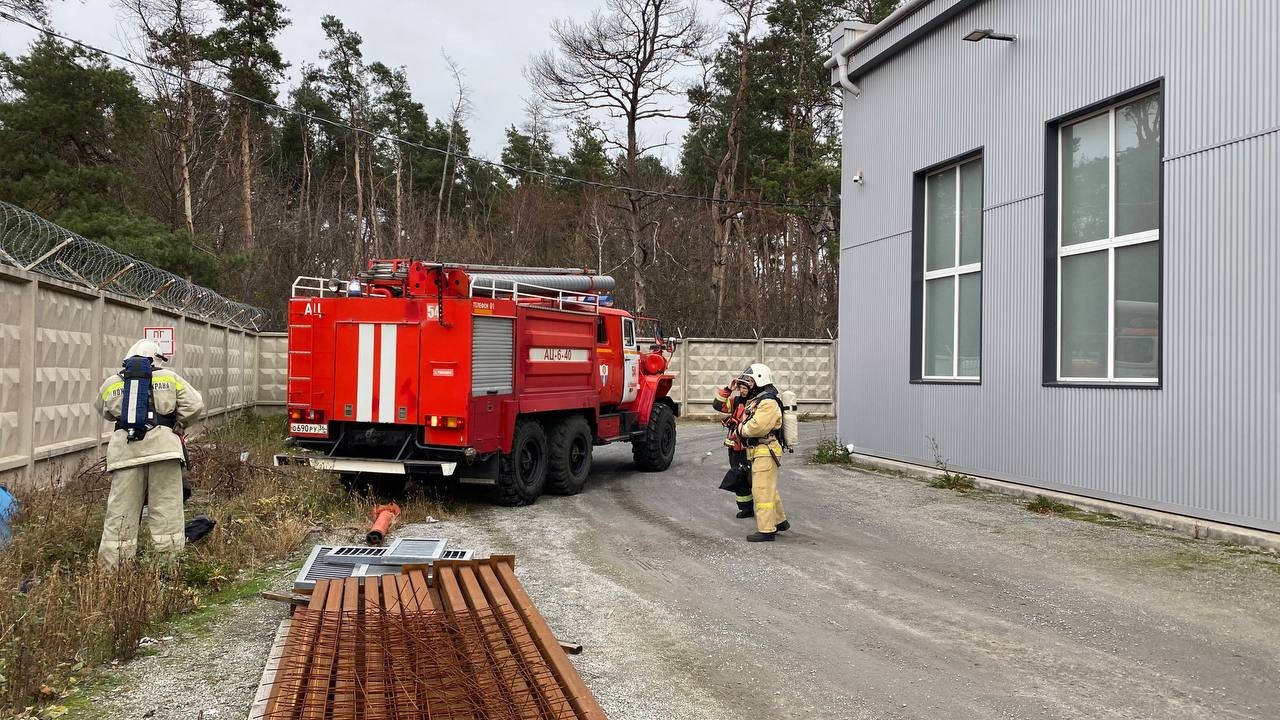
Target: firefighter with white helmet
(148,404)
(761,432)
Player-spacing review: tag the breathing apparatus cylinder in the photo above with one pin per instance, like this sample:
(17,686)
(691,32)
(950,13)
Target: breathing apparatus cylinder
(790,420)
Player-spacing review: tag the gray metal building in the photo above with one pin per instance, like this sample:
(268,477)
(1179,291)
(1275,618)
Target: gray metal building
(1060,246)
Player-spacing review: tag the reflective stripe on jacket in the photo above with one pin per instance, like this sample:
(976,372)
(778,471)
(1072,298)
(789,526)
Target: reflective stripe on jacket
(169,394)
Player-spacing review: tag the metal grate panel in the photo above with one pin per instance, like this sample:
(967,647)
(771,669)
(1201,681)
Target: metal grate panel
(456,554)
(429,548)
(402,551)
(355,554)
(317,568)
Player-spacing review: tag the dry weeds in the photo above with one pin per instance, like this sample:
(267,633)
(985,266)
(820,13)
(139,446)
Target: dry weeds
(61,615)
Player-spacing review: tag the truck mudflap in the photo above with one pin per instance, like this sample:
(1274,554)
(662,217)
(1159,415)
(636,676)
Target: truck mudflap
(366,465)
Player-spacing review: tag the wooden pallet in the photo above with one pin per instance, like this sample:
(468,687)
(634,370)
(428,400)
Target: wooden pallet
(468,644)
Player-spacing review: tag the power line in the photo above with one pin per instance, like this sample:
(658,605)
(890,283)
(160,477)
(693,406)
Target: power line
(409,143)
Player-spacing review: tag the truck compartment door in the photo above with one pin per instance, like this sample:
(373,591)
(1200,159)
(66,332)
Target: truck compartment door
(492,353)
(376,372)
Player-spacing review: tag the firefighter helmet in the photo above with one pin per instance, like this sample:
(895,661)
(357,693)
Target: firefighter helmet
(757,374)
(146,349)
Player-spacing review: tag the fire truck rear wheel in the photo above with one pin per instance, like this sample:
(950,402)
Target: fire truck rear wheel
(523,473)
(654,450)
(569,447)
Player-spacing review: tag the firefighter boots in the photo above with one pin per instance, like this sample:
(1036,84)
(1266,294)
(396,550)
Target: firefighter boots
(784,526)
(744,514)
(760,537)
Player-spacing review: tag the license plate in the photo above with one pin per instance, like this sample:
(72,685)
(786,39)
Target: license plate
(308,429)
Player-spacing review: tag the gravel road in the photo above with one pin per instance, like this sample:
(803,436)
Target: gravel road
(887,599)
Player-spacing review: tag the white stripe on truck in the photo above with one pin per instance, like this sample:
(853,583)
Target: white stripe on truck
(387,375)
(364,374)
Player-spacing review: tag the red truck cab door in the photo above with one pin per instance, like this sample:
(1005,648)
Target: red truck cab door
(609,357)
(630,361)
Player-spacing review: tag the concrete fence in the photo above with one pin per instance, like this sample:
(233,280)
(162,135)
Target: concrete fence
(806,367)
(59,341)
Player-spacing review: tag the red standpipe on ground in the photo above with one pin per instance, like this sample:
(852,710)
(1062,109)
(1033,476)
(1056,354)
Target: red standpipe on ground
(384,516)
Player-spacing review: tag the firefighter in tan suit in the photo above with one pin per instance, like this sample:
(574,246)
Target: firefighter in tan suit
(148,404)
(760,430)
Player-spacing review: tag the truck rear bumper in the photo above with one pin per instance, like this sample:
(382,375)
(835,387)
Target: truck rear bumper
(365,465)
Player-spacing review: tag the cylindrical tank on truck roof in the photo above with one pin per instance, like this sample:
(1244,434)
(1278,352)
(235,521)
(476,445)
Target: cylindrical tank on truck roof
(532,283)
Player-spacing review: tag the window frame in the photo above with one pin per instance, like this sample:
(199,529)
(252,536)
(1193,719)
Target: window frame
(1055,251)
(629,329)
(920,276)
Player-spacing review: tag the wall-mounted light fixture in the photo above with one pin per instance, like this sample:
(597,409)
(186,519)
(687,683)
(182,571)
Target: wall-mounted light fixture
(988,34)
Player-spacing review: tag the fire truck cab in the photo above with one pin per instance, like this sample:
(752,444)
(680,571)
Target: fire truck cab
(500,376)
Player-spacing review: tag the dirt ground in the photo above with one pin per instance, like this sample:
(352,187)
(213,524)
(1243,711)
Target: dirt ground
(887,599)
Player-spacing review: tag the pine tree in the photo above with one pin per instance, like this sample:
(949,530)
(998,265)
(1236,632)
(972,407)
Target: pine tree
(253,67)
(70,131)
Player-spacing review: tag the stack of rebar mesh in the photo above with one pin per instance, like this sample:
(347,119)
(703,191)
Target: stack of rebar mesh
(464,642)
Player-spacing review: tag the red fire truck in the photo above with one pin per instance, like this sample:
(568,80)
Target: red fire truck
(492,375)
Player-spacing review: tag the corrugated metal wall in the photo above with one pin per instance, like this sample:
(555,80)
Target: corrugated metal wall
(1206,444)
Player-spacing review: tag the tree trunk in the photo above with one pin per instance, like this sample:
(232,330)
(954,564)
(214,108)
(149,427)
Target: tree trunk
(246,182)
(444,174)
(634,226)
(359,239)
(375,231)
(637,251)
(726,170)
(399,226)
(184,145)
(448,198)
(306,183)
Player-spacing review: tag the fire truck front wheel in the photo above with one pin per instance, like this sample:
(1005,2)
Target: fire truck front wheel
(656,446)
(569,446)
(523,473)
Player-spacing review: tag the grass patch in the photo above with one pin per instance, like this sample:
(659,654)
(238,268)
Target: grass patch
(1044,506)
(1184,560)
(953,481)
(61,616)
(831,452)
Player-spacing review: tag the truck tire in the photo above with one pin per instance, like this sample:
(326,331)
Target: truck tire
(569,453)
(655,448)
(523,473)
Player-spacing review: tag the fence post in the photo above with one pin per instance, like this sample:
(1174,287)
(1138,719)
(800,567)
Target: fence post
(684,374)
(833,362)
(257,368)
(97,358)
(27,378)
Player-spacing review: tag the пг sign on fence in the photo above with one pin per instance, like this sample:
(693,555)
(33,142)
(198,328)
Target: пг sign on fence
(163,336)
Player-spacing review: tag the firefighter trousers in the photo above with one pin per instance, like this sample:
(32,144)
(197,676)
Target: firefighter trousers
(738,462)
(764,491)
(160,485)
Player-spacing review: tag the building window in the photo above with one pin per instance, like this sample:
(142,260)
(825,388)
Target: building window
(947,294)
(1107,244)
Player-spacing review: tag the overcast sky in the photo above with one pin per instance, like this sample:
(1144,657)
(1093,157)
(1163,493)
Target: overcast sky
(491,39)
